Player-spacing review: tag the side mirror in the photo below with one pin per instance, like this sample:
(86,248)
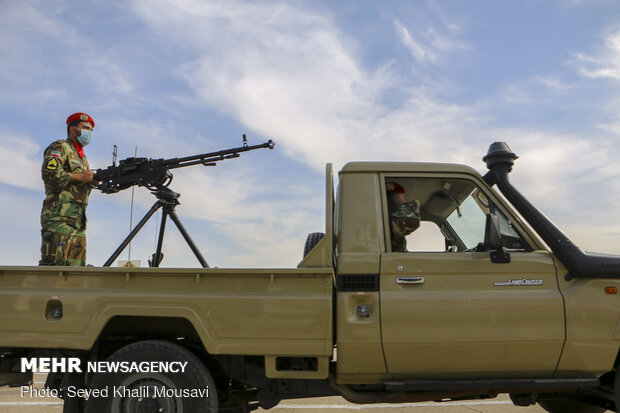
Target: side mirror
(492,233)
(493,240)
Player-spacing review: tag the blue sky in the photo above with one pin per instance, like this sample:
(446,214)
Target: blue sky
(329,81)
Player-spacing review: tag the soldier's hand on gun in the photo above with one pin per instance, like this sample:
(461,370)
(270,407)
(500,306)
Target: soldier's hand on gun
(87,177)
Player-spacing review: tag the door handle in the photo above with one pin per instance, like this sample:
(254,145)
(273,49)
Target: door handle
(410,280)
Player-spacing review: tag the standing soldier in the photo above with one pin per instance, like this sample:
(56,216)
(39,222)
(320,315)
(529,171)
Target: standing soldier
(68,181)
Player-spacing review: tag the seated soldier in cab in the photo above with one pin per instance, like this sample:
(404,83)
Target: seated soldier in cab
(404,215)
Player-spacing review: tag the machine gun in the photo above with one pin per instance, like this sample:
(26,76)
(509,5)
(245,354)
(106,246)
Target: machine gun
(155,175)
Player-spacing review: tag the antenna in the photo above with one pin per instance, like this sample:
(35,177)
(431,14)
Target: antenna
(133,190)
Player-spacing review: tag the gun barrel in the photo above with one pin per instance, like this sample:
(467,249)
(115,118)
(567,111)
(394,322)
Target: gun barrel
(214,156)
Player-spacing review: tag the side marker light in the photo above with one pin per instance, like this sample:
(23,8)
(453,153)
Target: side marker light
(611,290)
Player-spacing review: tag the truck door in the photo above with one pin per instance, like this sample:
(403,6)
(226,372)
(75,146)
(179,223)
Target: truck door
(448,310)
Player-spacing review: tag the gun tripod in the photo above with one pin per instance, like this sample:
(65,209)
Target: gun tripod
(167,199)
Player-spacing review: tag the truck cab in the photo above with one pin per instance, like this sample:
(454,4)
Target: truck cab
(445,306)
(478,303)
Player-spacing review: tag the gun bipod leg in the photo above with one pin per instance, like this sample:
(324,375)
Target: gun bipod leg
(188,239)
(158,256)
(133,233)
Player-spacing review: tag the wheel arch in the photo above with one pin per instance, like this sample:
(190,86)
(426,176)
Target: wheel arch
(117,330)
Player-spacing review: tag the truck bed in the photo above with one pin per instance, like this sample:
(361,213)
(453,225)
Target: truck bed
(233,311)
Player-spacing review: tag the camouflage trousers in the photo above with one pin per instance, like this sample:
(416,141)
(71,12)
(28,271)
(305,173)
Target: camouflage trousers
(61,249)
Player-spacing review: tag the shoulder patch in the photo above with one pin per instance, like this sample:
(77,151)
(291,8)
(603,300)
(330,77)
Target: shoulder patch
(55,154)
(52,164)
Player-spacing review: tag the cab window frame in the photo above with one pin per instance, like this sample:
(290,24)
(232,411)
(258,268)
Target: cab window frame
(531,243)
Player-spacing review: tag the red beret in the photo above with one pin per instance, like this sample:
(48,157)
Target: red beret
(392,186)
(80,117)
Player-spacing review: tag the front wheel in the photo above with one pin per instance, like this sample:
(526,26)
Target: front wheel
(186,387)
(569,406)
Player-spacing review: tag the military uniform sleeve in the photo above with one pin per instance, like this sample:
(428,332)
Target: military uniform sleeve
(52,171)
(406,218)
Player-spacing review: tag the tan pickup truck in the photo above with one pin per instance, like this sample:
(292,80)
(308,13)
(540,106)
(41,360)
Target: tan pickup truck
(490,297)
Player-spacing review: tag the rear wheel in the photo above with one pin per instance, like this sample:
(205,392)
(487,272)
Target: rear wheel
(187,391)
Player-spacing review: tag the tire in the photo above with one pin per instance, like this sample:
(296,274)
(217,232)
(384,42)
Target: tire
(196,376)
(617,387)
(569,406)
(311,241)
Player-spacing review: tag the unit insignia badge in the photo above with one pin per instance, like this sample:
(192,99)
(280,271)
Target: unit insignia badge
(52,164)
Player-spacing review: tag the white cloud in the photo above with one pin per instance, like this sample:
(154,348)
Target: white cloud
(23,209)
(427,43)
(605,61)
(45,33)
(106,75)
(613,127)
(20,166)
(21,242)
(539,89)
(553,167)
(290,74)
(553,83)
(418,52)
(31,21)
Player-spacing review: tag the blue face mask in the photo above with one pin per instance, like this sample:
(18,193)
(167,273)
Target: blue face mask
(85,137)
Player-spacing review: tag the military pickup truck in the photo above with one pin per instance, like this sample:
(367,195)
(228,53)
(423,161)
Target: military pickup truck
(490,297)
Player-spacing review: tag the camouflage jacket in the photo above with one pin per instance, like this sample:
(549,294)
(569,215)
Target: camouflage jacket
(403,221)
(64,207)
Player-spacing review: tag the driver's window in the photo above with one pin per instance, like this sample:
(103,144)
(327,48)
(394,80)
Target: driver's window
(441,215)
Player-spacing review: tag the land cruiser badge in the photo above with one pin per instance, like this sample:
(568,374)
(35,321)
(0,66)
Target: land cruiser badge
(511,282)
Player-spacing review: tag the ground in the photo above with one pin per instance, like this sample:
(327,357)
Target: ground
(11,401)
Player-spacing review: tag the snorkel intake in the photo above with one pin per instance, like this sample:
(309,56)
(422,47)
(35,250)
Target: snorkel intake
(499,160)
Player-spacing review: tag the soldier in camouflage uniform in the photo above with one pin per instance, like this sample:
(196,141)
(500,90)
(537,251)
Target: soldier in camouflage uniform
(68,181)
(404,216)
